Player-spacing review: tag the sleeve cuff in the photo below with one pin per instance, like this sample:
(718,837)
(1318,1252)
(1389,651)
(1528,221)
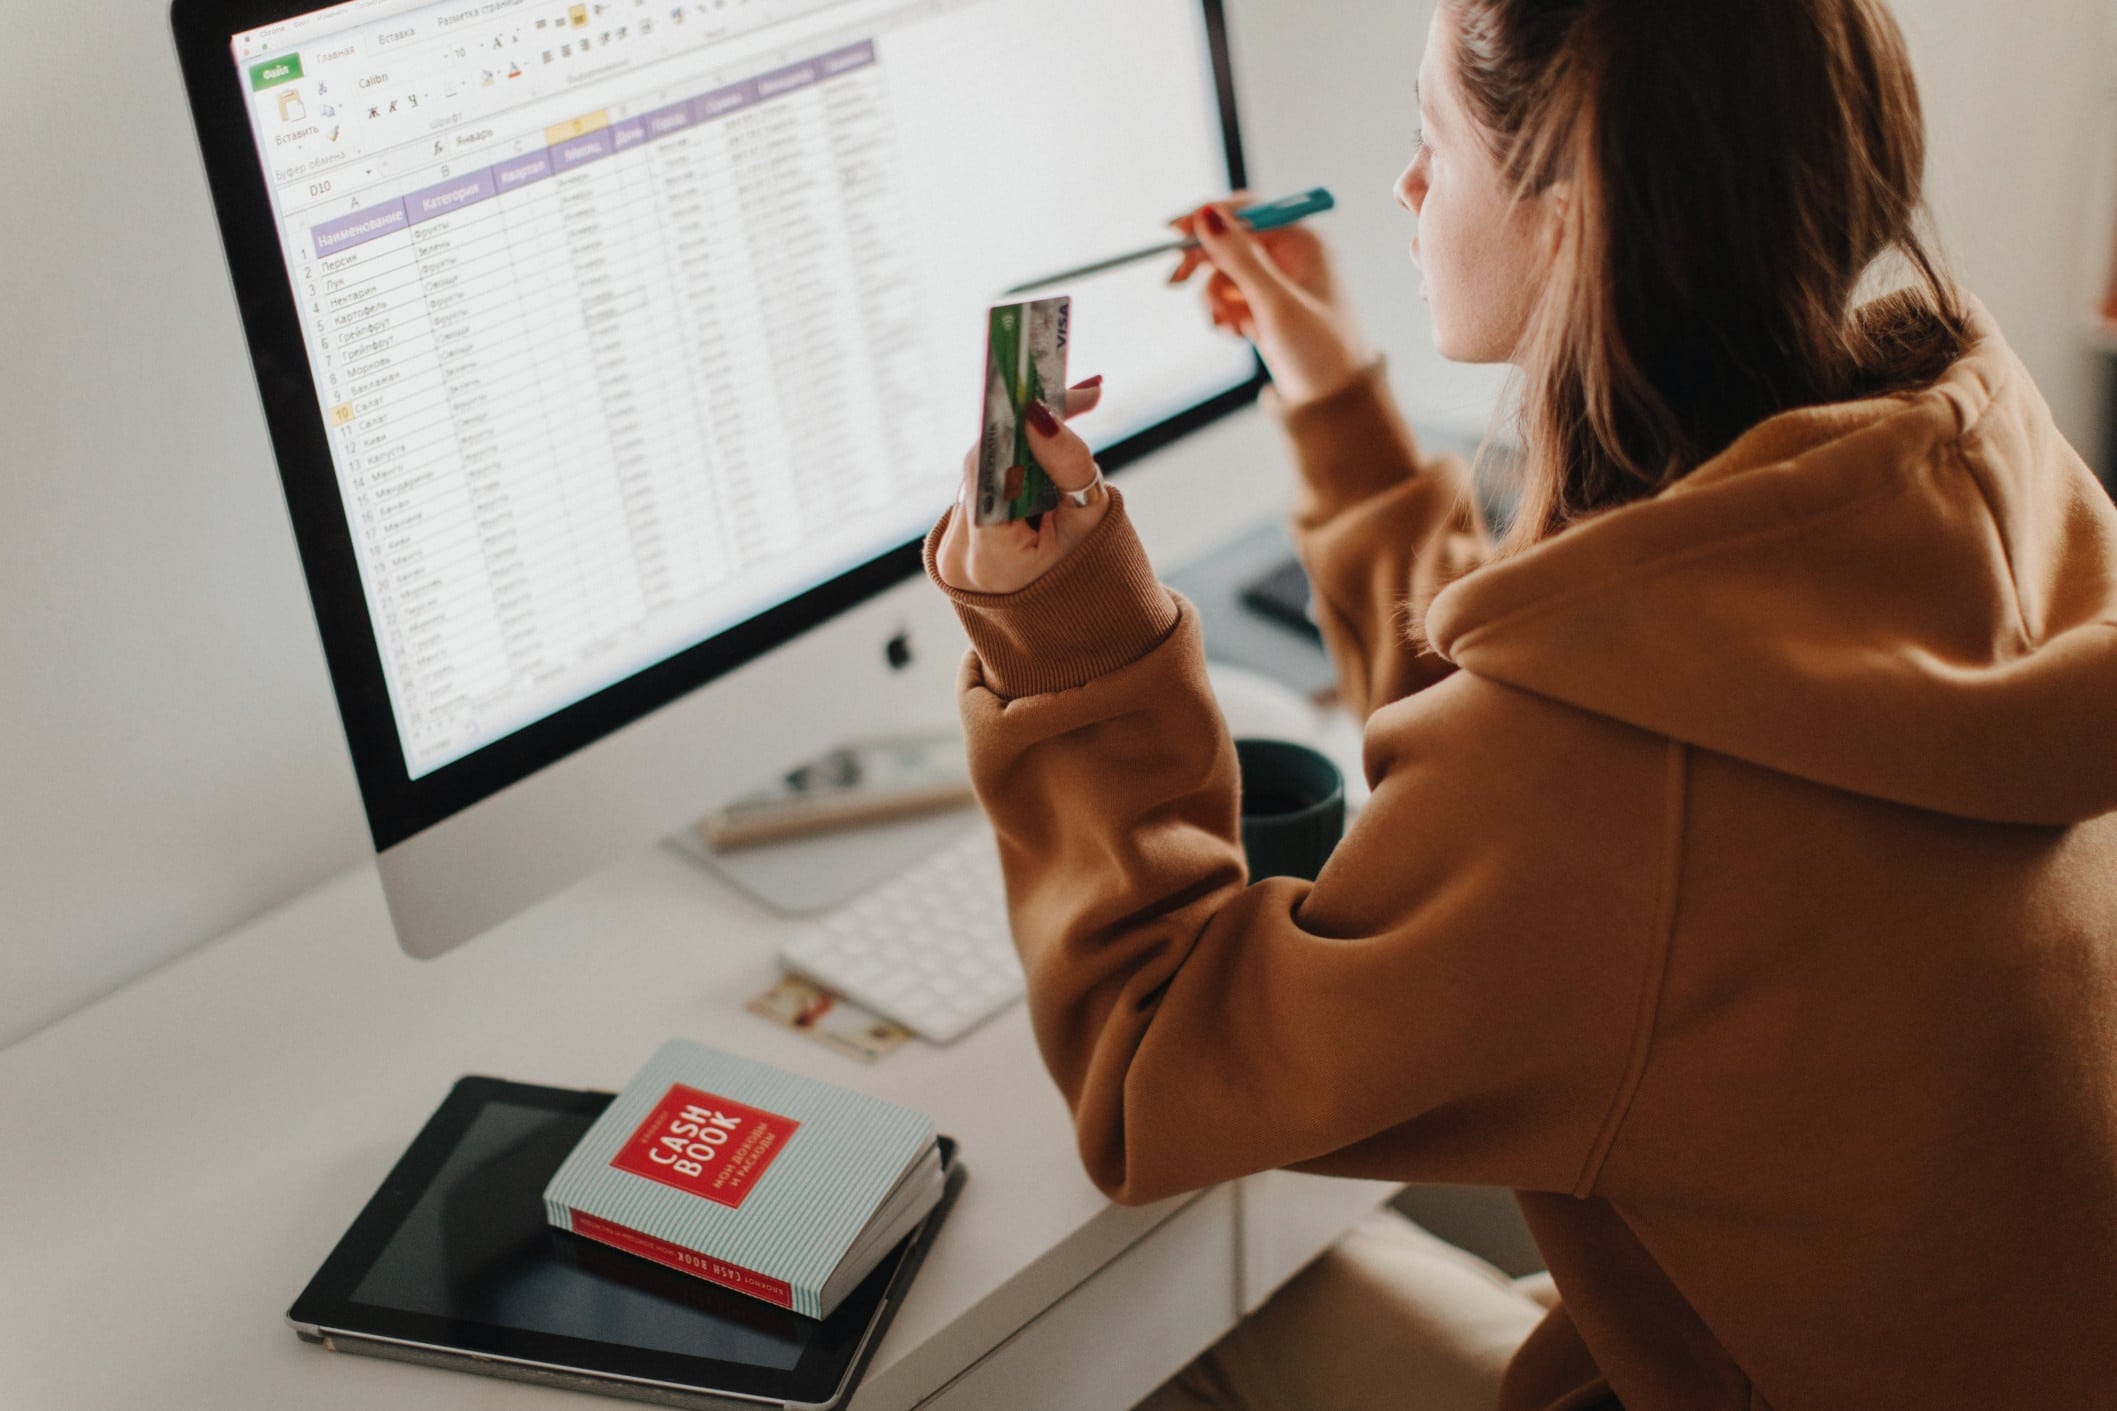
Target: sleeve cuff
(1098,611)
(1350,444)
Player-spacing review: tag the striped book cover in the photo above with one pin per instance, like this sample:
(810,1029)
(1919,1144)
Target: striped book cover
(769,1183)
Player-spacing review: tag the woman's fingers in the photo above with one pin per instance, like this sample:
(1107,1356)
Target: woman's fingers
(1234,251)
(1083,397)
(953,554)
(1059,449)
(1188,224)
(1004,558)
(1224,295)
(1188,221)
(1225,303)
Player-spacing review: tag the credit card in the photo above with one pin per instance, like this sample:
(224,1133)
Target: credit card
(1025,360)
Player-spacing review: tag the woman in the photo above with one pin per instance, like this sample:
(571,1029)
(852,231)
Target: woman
(1739,884)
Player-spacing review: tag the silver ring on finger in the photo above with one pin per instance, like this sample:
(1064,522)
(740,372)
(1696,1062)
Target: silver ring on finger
(1084,497)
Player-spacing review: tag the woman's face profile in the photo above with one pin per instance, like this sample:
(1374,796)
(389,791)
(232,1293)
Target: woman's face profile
(1482,258)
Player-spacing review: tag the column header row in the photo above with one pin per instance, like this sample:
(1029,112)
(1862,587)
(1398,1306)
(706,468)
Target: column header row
(578,142)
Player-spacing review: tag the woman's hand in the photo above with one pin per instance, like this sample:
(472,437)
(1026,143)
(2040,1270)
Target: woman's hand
(1278,289)
(1006,558)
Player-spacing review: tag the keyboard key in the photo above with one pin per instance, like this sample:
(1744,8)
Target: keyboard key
(930,948)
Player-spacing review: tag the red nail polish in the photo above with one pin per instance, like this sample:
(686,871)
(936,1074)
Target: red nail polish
(1041,418)
(1216,222)
(1095,381)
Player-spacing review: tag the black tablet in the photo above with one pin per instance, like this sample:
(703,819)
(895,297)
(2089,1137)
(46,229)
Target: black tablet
(452,1264)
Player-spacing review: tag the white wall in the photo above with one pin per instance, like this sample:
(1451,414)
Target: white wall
(2020,99)
(170,750)
(171,754)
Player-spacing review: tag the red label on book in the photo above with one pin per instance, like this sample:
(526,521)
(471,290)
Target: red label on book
(720,1271)
(707,1145)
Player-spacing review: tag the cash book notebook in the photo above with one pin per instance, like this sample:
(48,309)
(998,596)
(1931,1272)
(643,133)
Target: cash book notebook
(778,1186)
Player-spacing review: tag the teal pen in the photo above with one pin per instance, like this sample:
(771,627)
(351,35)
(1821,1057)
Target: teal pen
(1270,215)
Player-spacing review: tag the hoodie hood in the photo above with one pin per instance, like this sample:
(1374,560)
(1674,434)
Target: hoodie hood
(1912,598)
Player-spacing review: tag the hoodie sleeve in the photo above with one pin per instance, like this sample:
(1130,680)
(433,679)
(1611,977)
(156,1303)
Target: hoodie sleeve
(1425,1011)
(1380,528)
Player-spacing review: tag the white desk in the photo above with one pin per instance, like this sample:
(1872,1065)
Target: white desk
(176,1160)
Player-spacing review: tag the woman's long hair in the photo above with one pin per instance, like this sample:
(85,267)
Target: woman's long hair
(1735,173)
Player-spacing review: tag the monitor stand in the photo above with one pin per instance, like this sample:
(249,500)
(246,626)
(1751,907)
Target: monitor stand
(823,871)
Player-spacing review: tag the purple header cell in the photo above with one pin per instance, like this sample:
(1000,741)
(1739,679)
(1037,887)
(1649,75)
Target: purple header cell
(359,228)
(521,171)
(629,133)
(856,56)
(579,151)
(723,101)
(449,196)
(786,80)
(663,121)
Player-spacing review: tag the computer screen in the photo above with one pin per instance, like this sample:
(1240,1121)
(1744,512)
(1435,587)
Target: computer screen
(631,324)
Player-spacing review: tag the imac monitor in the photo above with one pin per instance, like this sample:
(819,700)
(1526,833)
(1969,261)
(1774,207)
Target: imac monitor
(617,356)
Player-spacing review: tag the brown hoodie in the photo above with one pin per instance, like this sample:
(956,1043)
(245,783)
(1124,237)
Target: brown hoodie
(1739,886)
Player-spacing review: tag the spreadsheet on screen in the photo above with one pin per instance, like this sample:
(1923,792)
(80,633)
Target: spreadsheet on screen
(631,320)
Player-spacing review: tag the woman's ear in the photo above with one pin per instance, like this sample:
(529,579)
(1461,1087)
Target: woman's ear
(1557,199)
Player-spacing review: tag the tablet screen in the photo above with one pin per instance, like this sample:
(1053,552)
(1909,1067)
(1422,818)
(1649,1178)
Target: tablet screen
(476,1247)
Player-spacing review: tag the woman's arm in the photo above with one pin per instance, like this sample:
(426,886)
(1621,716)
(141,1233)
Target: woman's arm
(1380,528)
(1455,999)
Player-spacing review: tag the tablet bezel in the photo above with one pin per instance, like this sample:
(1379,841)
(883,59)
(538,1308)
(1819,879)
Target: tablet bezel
(326,1307)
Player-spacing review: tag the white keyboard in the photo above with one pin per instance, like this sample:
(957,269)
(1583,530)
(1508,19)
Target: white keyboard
(930,948)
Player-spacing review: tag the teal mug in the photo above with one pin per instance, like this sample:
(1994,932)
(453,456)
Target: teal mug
(1293,808)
